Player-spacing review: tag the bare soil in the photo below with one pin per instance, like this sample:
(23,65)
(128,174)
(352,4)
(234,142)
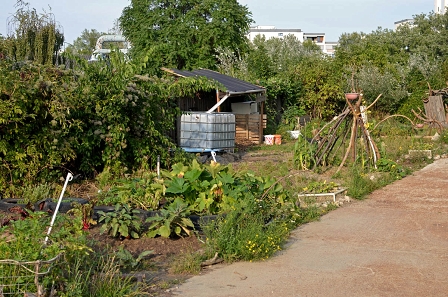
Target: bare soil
(163,249)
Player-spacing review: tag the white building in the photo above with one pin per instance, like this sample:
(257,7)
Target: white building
(440,6)
(409,22)
(272,32)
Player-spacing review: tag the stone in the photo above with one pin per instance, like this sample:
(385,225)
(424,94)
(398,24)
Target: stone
(436,137)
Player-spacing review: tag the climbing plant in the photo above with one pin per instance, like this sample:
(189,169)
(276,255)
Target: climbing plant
(96,116)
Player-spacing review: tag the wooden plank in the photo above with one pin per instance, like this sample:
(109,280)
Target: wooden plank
(248,127)
(245,136)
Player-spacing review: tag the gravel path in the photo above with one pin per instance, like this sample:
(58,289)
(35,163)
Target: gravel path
(395,243)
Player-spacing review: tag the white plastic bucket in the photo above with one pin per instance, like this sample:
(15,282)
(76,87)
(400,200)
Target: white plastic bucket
(295,134)
(269,139)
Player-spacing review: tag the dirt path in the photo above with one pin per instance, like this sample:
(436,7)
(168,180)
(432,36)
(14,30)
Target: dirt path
(395,243)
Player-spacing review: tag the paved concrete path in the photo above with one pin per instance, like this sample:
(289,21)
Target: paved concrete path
(395,243)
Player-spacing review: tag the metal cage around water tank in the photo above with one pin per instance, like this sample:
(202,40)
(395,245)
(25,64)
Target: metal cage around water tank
(200,131)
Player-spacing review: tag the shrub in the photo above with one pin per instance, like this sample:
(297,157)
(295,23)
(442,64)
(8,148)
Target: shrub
(98,116)
(122,222)
(172,221)
(246,234)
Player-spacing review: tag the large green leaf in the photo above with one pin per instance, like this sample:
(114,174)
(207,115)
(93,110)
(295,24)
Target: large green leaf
(177,230)
(177,186)
(164,231)
(226,178)
(193,175)
(124,230)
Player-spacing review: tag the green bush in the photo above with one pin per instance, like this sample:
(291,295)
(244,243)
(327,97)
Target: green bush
(360,183)
(413,102)
(172,221)
(98,116)
(444,137)
(122,222)
(245,235)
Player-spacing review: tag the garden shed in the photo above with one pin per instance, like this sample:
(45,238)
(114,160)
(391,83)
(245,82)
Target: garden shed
(244,100)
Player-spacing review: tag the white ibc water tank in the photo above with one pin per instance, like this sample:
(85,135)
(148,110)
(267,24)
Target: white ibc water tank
(207,131)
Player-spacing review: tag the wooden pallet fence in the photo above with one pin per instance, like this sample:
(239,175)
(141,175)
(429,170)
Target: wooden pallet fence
(248,127)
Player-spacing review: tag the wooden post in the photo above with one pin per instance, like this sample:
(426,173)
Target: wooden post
(260,132)
(217,100)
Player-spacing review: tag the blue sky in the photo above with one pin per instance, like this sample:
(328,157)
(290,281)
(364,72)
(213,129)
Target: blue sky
(332,17)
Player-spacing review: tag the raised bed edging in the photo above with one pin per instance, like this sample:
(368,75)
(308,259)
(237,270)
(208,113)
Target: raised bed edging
(332,194)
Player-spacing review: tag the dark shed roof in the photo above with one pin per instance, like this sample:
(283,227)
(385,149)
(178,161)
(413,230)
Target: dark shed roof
(232,85)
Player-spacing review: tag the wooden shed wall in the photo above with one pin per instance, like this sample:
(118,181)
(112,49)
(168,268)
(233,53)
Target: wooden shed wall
(248,127)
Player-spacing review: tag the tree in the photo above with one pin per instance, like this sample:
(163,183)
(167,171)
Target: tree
(85,44)
(32,36)
(185,33)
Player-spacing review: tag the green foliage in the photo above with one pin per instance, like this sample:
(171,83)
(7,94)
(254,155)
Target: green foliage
(34,37)
(97,276)
(387,165)
(304,154)
(320,187)
(359,184)
(172,221)
(27,237)
(143,192)
(397,62)
(127,261)
(25,242)
(122,222)
(414,102)
(290,117)
(282,91)
(85,43)
(83,214)
(100,116)
(320,79)
(107,281)
(206,188)
(184,33)
(392,87)
(273,63)
(444,137)
(35,123)
(32,194)
(83,272)
(245,234)
(212,189)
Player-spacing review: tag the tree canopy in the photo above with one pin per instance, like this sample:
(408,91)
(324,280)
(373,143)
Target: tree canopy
(33,36)
(85,44)
(185,33)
